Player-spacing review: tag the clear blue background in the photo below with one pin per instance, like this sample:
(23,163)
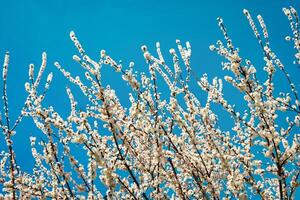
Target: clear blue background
(27,28)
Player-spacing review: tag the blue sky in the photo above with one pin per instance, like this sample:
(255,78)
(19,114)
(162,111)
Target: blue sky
(30,27)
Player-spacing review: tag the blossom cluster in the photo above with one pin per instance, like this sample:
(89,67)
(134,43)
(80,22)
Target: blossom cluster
(162,148)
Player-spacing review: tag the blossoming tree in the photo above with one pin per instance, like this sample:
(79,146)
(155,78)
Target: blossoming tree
(161,148)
